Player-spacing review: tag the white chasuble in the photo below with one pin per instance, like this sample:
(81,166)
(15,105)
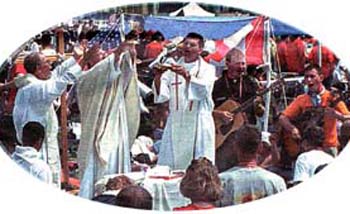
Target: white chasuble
(190,130)
(110,115)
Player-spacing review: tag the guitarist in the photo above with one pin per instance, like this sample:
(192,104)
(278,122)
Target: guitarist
(317,96)
(236,85)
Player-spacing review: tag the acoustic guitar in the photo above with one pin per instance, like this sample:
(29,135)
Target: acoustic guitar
(311,116)
(224,129)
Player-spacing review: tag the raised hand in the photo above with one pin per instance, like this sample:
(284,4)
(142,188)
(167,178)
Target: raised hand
(90,56)
(125,47)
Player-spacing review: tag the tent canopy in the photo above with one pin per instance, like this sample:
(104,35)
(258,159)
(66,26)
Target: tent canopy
(210,27)
(192,9)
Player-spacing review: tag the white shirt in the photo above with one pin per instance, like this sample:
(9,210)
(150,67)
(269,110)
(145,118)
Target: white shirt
(29,159)
(308,162)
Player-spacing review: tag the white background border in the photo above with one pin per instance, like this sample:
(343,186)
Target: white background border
(326,20)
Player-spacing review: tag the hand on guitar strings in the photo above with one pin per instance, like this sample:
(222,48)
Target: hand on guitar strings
(332,113)
(225,116)
(296,134)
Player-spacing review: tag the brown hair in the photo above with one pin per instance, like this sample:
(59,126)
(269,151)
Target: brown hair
(201,181)
(135,196)
(248,138)
(118,182)
(314,135)
(314,66)
(31,62)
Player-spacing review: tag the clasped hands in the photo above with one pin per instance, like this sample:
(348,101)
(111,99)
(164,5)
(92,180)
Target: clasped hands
(178,69)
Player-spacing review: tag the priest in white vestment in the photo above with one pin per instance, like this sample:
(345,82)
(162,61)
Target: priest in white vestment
(189,132)
(34,102)
(110,114)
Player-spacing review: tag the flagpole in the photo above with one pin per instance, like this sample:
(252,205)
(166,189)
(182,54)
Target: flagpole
(319,54)
(122,26)
(267,97)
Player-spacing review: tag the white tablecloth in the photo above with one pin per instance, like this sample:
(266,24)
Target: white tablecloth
(166,193)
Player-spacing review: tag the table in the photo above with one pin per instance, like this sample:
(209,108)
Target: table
(165,190)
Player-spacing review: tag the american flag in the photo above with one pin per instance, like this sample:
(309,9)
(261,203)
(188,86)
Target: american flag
(108,37)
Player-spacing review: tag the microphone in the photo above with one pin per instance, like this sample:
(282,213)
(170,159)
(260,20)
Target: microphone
(164,55)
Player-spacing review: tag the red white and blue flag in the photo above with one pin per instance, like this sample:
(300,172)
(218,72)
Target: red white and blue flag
(249,39)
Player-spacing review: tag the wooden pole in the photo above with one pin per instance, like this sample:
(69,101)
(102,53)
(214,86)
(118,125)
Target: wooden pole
(64,131)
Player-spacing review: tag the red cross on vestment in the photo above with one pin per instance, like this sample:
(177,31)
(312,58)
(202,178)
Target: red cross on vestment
(176,84)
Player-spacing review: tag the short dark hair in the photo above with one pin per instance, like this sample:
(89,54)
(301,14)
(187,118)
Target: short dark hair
(132,35)
(314,66)
(248,138)
(157,36)
(135,196)
(33,132)
(201,182)
(234,53)
(314,135)
(46,38)
(193,35)
(31,62)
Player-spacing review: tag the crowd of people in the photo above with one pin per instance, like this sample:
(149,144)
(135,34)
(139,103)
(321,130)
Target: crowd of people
(149,102)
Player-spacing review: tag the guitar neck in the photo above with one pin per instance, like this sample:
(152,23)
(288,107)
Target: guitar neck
(250,101)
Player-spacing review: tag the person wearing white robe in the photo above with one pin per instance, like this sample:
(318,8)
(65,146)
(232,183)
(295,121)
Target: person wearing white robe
(110,114)
(189,132)
(34,100)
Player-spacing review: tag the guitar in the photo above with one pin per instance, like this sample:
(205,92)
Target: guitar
(224,129)
(311,116)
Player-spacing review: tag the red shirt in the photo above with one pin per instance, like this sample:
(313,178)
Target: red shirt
(282,51)
(295,56)
(153,49)
(328,60)
(195,207)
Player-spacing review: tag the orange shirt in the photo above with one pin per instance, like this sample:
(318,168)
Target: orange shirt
(303,101)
